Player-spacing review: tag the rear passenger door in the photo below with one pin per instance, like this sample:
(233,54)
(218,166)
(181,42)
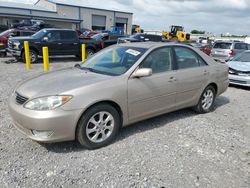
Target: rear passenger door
(191,74)
(69,44)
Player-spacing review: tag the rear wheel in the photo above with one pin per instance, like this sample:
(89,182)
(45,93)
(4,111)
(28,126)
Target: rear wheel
(33,57)
(206,101)
(89,52)
(98,126)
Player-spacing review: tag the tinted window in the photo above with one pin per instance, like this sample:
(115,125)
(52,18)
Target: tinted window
(53,35)
(68,35)
(153,37)
(187,58)
(159,60)
(223,45)
(241,46)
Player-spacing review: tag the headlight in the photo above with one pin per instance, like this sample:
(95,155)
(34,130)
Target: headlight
(16,45)
(47,103)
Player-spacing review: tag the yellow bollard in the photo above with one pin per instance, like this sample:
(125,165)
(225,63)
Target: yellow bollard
(113,56)
(27,54)
(45,59)
(83,52)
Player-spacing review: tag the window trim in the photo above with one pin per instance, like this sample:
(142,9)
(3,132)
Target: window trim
(195,53)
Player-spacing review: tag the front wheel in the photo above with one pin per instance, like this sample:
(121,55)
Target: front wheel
(206,101)
(33,57)
(89,52)
(98,126)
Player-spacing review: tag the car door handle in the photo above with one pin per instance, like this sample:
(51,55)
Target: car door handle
(206,72)
(172,79)
(59,43)
(75,43)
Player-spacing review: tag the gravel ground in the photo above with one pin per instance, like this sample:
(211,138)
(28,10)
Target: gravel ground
(180,149)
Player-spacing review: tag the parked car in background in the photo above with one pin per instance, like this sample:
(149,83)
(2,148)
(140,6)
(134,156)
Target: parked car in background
(59,42)
(23,23)
(107,38)
(239,69)
(118,86)
(206,48)
(223,50)
(140,37)
(88,34)
(4,36)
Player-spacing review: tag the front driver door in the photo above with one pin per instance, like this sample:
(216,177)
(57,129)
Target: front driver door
(53,42)
(153,95)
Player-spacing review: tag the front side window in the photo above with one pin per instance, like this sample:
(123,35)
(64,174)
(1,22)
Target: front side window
(187,58)
(53,36)
(113,61)
(159,60)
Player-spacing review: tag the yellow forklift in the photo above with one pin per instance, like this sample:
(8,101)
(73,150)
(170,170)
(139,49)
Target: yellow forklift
(176,34)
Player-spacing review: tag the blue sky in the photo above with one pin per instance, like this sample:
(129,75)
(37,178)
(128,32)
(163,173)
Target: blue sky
(217,16)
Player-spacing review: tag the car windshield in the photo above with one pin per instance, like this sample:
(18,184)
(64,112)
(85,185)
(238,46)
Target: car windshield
(39,34)
(113,61)
(243,57)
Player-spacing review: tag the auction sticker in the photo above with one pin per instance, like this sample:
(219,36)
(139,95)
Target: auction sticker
(133,52)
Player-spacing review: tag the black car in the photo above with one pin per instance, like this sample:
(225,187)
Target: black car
(140,37)
(59,42)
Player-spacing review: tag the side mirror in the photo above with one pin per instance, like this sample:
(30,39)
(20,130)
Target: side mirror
(143,72)
(45,39)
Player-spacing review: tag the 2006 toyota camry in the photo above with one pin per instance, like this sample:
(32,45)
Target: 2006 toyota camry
(118,86)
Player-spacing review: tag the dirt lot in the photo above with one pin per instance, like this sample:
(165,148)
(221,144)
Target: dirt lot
(180,149)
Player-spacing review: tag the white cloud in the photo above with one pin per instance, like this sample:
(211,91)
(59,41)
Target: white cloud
(218,16)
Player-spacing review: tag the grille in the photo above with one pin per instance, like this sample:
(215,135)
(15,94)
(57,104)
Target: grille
(10,44)
(236,72)
(20,99)
(238,81)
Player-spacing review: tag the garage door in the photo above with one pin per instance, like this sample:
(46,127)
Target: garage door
(121,20)
(98,22)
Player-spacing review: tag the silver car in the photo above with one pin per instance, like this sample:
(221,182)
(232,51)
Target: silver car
(239,69)
(118,86)
(224,50)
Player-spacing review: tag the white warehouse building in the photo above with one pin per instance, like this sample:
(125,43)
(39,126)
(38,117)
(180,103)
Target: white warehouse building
(65,15)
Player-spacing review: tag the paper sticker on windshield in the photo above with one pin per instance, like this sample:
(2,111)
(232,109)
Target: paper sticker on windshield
(133,52)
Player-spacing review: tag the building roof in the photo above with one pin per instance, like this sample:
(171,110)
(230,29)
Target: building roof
(5,4)
(74,4)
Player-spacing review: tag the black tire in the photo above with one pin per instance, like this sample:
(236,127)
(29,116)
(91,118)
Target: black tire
(33,57)
(89,52)
(200,107)
(85,122)
(3,54)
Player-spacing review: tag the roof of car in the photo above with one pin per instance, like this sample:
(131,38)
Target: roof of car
(151,44)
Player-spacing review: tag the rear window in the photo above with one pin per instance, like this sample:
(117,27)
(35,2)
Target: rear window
(241,46)
(223,45)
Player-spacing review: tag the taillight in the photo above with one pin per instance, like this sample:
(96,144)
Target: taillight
(232,52)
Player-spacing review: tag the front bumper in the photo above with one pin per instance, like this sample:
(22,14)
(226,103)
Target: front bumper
(242,80)
(59,122)
(13,52)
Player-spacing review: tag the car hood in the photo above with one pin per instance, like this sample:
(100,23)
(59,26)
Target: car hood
(240,66)
(58,82)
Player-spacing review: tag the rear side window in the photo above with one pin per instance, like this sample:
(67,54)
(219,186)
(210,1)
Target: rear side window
(187,58)
(68,35)
(241,46)
(223,45)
